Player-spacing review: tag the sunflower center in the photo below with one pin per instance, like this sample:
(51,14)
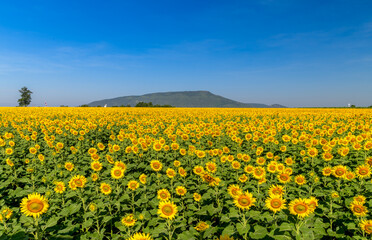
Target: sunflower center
(363,172)
(117,172)
(35,206)
(167,210)
(358,209)
(244,201)
(276,203)
(339,172)
(300,208)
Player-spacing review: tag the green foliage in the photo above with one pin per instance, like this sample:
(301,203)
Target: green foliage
(25,99)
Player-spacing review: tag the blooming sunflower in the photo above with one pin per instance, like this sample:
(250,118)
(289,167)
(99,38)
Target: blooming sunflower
(69,166)
(60,187)
(245,201)
(198,170)
(312,202)
(259,172)
(171,173)
(234,190)
(133,185)
(163,194)
(96,166)
(128,220)
(299,207)
(181,191)
(197,197)
(284,178)
(77,181)
(243,178)
(276,190)
(211,167)
(182,172)
(117,172)
(300,180)
(34,205)
(167,210)
(360,199)
(339,171)
(363,171)
(327,171)
(105,188)
(366,226)
(358,209)
(275,203)
(140,236)
(156,165)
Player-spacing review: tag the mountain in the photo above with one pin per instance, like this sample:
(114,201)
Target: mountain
(203,99)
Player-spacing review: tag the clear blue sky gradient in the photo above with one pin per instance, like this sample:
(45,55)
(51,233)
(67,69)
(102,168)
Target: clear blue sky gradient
(291,52)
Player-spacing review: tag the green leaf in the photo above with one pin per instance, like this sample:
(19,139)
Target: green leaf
(259,233)
(88,223)
(230,230)
(286,227)
(74,208)
(241,229)
(51,222)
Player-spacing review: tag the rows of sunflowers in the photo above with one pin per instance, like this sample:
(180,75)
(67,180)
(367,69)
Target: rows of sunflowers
(141,174)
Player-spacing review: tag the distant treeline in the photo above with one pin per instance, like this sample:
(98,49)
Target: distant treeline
(140,104)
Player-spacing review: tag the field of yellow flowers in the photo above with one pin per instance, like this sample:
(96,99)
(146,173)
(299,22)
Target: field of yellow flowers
(141,174)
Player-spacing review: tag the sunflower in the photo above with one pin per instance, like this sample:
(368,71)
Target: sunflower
(271,167)
(33,150)
(235,165)
(167,210)
(77,181)
(275,203)
(276,190)
(143,178)
(140,236)
(245,201)
(96,166)
(299,207)
(69,166)
(284,178)
(117,172)
(34,205)
(171,173)
(261,161)
(359,199)
(197,197)
(9,162)
(363,171)
(201,226)
(211,167)
(105,188)
(60,187)
(6,213)
(128,220)
(234,191)
(198,170)
(358,209)
(327,171)
(259,172)
(339,171)
(92,207)
(349,175)
(249,169)
(243,178)
(182,172)
(366,226)
(224,237)
(327,156)
(163,194)
(312,202)
(181,191)
(300,180)
(156,165)
(121,165)
(94,177)
(157,146)
(133,185)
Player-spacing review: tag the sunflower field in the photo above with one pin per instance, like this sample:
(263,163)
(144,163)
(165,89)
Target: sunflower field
(142,174)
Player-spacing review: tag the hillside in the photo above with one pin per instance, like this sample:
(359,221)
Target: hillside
(203,99)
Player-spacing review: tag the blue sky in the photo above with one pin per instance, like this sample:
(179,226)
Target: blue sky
(292,52)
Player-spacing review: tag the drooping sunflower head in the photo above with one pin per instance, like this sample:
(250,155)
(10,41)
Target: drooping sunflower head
(201,226)
(167,210)
(34,205)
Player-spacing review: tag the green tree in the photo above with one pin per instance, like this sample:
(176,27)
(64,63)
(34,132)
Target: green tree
(25,99)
